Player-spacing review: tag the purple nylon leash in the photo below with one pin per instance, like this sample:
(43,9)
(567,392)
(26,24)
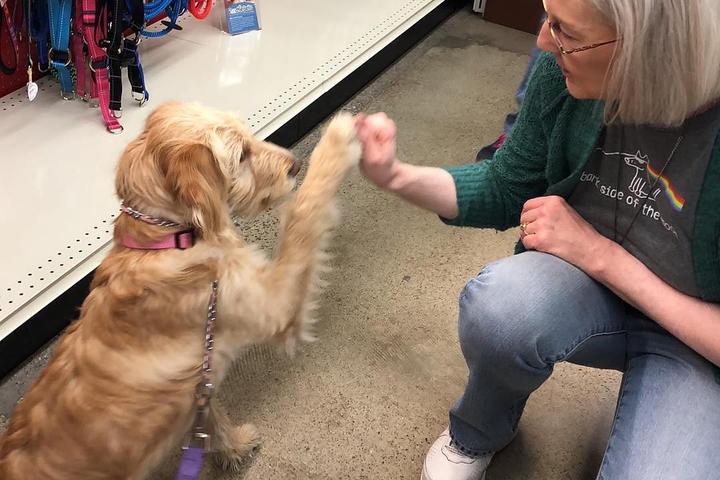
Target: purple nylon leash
(191,463)
(197,443)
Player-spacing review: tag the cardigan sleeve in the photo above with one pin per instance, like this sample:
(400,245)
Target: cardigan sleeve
(491,194)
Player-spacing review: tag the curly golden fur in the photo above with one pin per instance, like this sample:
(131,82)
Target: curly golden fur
(118,393)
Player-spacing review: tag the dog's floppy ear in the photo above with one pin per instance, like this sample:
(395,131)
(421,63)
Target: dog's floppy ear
(194,178)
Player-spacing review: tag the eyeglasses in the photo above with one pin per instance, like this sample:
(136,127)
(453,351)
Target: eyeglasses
(556,32)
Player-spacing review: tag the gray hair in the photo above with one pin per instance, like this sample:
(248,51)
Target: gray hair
(667,64)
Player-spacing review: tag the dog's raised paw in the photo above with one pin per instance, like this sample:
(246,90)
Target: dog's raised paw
(342,131)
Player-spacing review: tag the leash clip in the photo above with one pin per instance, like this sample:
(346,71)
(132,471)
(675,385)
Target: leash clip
(198,436)
(197,440)
(140,97)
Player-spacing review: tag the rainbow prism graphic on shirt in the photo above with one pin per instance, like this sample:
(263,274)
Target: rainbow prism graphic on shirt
(676,200)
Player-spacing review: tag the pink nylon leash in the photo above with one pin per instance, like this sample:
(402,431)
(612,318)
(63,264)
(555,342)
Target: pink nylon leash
(94,30)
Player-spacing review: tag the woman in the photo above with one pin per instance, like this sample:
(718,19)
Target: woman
(613,174)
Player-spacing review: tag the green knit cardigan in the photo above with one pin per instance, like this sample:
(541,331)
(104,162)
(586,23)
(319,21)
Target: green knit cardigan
(545,155)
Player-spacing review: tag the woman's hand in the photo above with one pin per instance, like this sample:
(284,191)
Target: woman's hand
(377,133)
(550,225)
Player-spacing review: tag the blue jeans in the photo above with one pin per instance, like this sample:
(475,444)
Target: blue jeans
(523,314)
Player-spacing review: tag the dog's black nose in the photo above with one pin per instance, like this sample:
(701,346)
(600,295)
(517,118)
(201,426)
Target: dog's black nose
(296,166)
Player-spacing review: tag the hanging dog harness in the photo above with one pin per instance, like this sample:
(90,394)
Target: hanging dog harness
(197,441)
(39,30)
(123,52)
(90,28)
(59,55)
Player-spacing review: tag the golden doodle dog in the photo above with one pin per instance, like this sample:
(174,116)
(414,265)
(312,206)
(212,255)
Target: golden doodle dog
(120,391)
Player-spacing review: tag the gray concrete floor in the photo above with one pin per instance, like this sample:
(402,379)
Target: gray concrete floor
(367,399)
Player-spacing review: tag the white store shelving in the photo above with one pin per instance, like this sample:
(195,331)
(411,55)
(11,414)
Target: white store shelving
(57,162)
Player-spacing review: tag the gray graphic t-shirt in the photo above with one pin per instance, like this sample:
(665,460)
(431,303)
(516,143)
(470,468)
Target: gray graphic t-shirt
(623,178)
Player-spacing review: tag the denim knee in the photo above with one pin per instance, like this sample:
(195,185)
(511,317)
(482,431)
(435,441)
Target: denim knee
(533,306)
(496,323)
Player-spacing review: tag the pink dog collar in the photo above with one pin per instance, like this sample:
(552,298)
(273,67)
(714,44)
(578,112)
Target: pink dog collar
(179,240)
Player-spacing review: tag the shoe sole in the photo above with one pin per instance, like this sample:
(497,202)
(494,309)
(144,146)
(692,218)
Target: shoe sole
(424,475)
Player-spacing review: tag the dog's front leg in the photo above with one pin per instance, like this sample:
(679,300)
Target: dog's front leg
(291,277)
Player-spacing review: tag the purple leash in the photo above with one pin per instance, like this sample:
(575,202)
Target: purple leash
(197,444)
(191,464)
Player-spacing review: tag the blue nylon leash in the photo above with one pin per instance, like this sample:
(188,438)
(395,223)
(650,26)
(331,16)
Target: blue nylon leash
(59,13)
(40,31)
(172,8)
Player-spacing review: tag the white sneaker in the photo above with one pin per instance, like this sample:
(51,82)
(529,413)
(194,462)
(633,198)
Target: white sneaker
(445,462)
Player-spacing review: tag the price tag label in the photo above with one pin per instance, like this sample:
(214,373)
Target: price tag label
(241,17)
